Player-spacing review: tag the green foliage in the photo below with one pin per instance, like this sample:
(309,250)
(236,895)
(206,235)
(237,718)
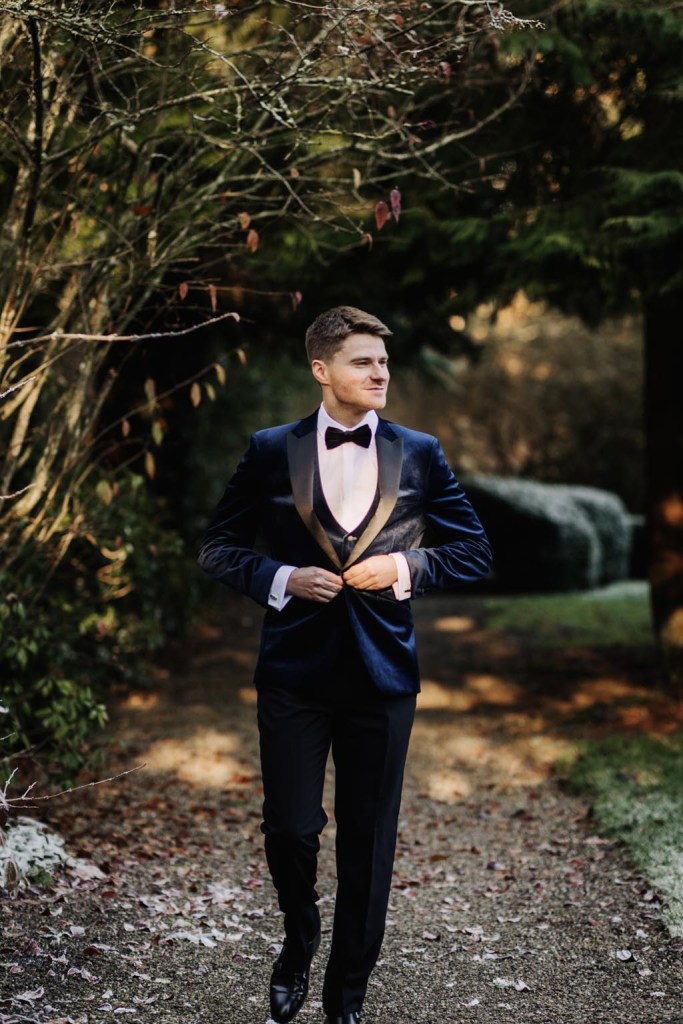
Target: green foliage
(636,786)
(109,605)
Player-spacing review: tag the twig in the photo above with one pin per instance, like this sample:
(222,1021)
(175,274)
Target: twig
(37,169)
(21,801)
(15,494)
(21,384)
(62,336)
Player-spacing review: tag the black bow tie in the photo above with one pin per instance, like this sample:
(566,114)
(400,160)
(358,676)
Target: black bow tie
(361,435)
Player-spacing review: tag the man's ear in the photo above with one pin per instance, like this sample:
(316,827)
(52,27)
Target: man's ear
(319,371)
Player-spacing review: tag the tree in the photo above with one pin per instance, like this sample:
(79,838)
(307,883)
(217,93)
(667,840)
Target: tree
(148,148)
(605,229)
(575,194)
(149,151)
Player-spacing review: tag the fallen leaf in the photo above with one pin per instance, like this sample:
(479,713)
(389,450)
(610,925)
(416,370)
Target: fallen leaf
(31,996)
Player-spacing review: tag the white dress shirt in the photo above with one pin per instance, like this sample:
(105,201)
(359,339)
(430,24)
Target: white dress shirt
(348,477)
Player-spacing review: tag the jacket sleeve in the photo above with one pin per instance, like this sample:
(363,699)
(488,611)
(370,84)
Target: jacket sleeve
(461,552)
(227,550)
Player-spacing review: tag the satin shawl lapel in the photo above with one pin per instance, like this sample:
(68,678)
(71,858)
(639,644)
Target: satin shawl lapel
(301,454)
(389,463)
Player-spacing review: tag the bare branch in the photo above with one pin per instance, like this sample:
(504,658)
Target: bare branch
(15,494)
(155,335)
(15,387)
(25,801)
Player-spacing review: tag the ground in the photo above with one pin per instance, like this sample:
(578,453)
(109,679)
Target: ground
(508,906)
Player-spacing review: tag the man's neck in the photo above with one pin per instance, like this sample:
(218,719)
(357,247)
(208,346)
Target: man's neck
(348,418)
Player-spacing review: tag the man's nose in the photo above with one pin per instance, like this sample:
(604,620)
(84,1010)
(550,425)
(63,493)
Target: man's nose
(380,372)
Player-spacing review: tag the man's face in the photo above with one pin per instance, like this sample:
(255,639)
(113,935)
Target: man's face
(357,376)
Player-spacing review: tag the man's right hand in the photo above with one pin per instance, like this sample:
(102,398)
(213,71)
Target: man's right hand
(314,584)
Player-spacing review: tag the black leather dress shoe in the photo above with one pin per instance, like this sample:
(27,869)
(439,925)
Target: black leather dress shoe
(345,1018)
(289,982)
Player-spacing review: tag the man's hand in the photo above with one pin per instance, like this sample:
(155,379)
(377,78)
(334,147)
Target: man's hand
(374,573)
(314,584)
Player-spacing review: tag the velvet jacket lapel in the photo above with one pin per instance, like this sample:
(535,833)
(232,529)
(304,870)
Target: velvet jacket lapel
(301,454)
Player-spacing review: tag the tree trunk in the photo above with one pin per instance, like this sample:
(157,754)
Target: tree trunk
(664,474)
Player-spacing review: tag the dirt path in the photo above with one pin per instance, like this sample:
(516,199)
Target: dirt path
(506,909)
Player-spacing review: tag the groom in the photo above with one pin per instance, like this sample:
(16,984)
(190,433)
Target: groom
(341,499)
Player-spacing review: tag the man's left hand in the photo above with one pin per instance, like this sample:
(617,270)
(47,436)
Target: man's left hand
(375,573)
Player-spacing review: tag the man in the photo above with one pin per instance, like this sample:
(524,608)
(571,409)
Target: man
(342,499)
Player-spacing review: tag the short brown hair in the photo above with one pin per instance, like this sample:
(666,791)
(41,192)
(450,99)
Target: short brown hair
(329,331)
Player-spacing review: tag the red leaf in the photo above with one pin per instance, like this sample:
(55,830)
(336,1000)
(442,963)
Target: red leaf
(143,211)
(183,289)
(395,198)
(214,297)
(252,240)
(245,220)
(381,214)
(296,298)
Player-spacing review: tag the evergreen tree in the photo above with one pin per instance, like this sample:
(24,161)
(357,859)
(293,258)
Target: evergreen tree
(595,223)
(574,194)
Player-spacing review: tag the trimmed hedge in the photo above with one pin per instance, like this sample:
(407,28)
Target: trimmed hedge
(552,537)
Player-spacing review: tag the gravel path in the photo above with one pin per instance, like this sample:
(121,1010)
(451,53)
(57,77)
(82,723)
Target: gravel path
(507,908)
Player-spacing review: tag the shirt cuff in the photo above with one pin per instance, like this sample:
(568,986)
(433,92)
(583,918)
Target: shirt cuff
(402,587)
(277,598)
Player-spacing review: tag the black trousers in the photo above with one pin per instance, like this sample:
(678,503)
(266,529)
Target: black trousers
(368,734)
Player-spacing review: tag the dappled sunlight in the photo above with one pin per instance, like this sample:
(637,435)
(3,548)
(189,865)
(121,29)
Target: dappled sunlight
(478,689)
(208,757)
(448,786)
(593,691)
(247,695)
(454,624)
(138,701)
(450,764)
(435,697)
(494,689)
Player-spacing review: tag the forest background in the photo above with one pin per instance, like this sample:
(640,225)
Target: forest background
(185,186)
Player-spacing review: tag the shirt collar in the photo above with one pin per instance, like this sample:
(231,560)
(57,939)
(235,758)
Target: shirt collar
(325,421)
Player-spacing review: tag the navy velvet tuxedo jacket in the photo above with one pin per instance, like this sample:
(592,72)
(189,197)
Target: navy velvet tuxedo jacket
(271,495)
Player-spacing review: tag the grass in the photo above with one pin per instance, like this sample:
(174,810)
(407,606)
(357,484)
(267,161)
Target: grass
(636,787)
(634,781)
(617,614)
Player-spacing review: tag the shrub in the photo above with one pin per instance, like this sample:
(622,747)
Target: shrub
(551,537)
(72,629)
(612,523)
